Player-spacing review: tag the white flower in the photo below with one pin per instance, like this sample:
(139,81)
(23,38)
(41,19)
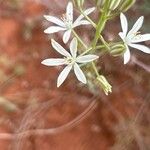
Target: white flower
(70,59)
(67,24)
(133,37)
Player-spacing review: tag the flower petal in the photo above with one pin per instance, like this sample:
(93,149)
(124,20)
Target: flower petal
(86,12)
(136,26)
(79,74)
(122,36)
(73,47)
(53,62)
(82,22)
(66,36)
(53,29)
(126,55)
(69,12)
(86,58)
(59,48)
(124,23)
(63,75)
(142,48)
(141,38)
(54,20)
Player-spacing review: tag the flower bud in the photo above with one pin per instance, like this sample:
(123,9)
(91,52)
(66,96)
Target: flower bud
(79,3)
(114,4)
(117,49)
(126,5)
(100,2)
(107,88)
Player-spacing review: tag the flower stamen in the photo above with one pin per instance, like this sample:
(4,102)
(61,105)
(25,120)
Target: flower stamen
(67,22)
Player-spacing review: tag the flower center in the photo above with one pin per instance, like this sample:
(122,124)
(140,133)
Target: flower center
(137,36)
(133,36)
(70,60)
(67,21)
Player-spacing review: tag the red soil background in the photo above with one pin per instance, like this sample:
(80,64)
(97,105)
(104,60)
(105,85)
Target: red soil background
(119,121)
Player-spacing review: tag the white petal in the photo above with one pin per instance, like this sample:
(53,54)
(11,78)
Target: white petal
(141,38)
(59,48)
(53,29)
(124,23)
(136,26)
(142,48)
(86,58)
(73,47)
(53,62)
(54,20)
(82,22)
(122,36)
(126,55)
(69,12)
(86,12)
(66,36)
(79,73)
(63,75)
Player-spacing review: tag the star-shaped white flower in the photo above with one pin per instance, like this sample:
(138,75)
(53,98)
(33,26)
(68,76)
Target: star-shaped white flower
(70,59)
(66,23)
(133,37)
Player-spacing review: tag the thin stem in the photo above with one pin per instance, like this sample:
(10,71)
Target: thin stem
(104,42)
(140,64)
(88,18)
(95,69)
(79,39)
(90,49)
(62,128)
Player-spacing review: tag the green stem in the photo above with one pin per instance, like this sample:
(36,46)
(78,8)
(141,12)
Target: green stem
(85,46)
(101,23)
(95,69)
(79,39)
(105,43)
(90,49)
(88,18)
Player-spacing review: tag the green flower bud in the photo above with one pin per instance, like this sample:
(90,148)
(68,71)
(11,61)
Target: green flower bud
(107,88)
(100,2)
(126,5)
(117,49)
(79,3)
(114,4)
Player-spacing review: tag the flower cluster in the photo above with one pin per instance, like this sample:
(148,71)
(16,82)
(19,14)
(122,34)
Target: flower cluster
(71,60)
(74,59)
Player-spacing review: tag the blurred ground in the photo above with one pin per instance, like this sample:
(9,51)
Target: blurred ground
(119,122)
